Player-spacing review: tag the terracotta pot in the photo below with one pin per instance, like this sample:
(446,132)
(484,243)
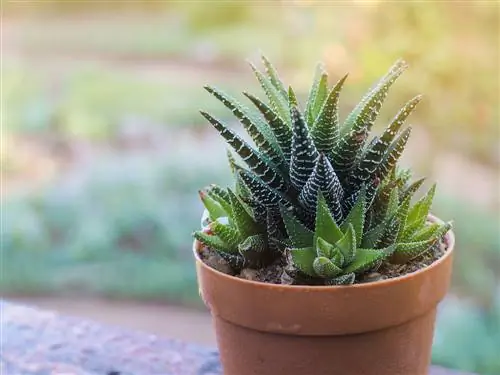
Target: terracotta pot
(380,328)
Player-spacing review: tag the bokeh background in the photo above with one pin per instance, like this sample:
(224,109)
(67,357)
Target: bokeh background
(103,148)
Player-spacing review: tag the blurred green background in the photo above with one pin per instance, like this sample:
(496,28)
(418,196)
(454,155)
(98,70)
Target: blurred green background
(104,150)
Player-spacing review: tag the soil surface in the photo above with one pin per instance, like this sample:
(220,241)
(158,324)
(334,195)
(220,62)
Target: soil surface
(275,272)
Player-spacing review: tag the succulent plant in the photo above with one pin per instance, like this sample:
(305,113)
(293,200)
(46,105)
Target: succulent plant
(332,253)
(307,171)
(337,254)
(231,229)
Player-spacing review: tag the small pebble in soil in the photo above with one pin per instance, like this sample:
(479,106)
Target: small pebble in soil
(249,274)
(286,279)
(213,260)
(372,276)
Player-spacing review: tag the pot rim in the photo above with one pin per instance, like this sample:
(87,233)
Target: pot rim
(449,238)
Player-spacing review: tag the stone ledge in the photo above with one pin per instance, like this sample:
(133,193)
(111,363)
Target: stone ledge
(36,342)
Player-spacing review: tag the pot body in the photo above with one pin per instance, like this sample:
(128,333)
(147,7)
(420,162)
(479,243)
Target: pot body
(380,328)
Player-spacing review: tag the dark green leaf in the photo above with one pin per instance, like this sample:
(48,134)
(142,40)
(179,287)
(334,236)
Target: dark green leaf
(347,244)
(230,236)
(356,217)
(280,128)
(279,102)
(242,217)
(299,235)
(213,242)
(254,160)
(255,126)
(393,154)
(304,153)
(325,130)
(273,75)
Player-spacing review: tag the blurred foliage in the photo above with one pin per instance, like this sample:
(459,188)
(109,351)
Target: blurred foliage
(118,230)
(446,44)
(477,233)
(92,103)
(467,336)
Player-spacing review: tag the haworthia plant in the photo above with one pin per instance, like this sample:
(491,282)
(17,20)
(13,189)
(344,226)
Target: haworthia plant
(233,231)
(319,194)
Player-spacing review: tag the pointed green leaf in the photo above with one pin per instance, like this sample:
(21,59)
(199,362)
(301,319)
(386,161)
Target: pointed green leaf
(304,153)
(255,126)
(364,260)
(278,102)
(255,243)
(390,234)
(242,216)
(320,98)
(213,242)
(273,75)
(392,206)
(324,267)
(371,237)
(261,191)
(292,98)
(338,258)
(347,244)
(409,231)
(303,259)
(325,226)
(241,189)
(426,232)
(375,152)
(227,234)
(356,216)
(221,196)
(393,154)
(280,128)
(402,215)
(398,121)
(318,85)
(420,210)
(361,119)
(324,180)
(412,189)
(214,209)
(407,251)
(324,248)
(373,100)
(299,235)
(254,160)
(432,231)
(325,130)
